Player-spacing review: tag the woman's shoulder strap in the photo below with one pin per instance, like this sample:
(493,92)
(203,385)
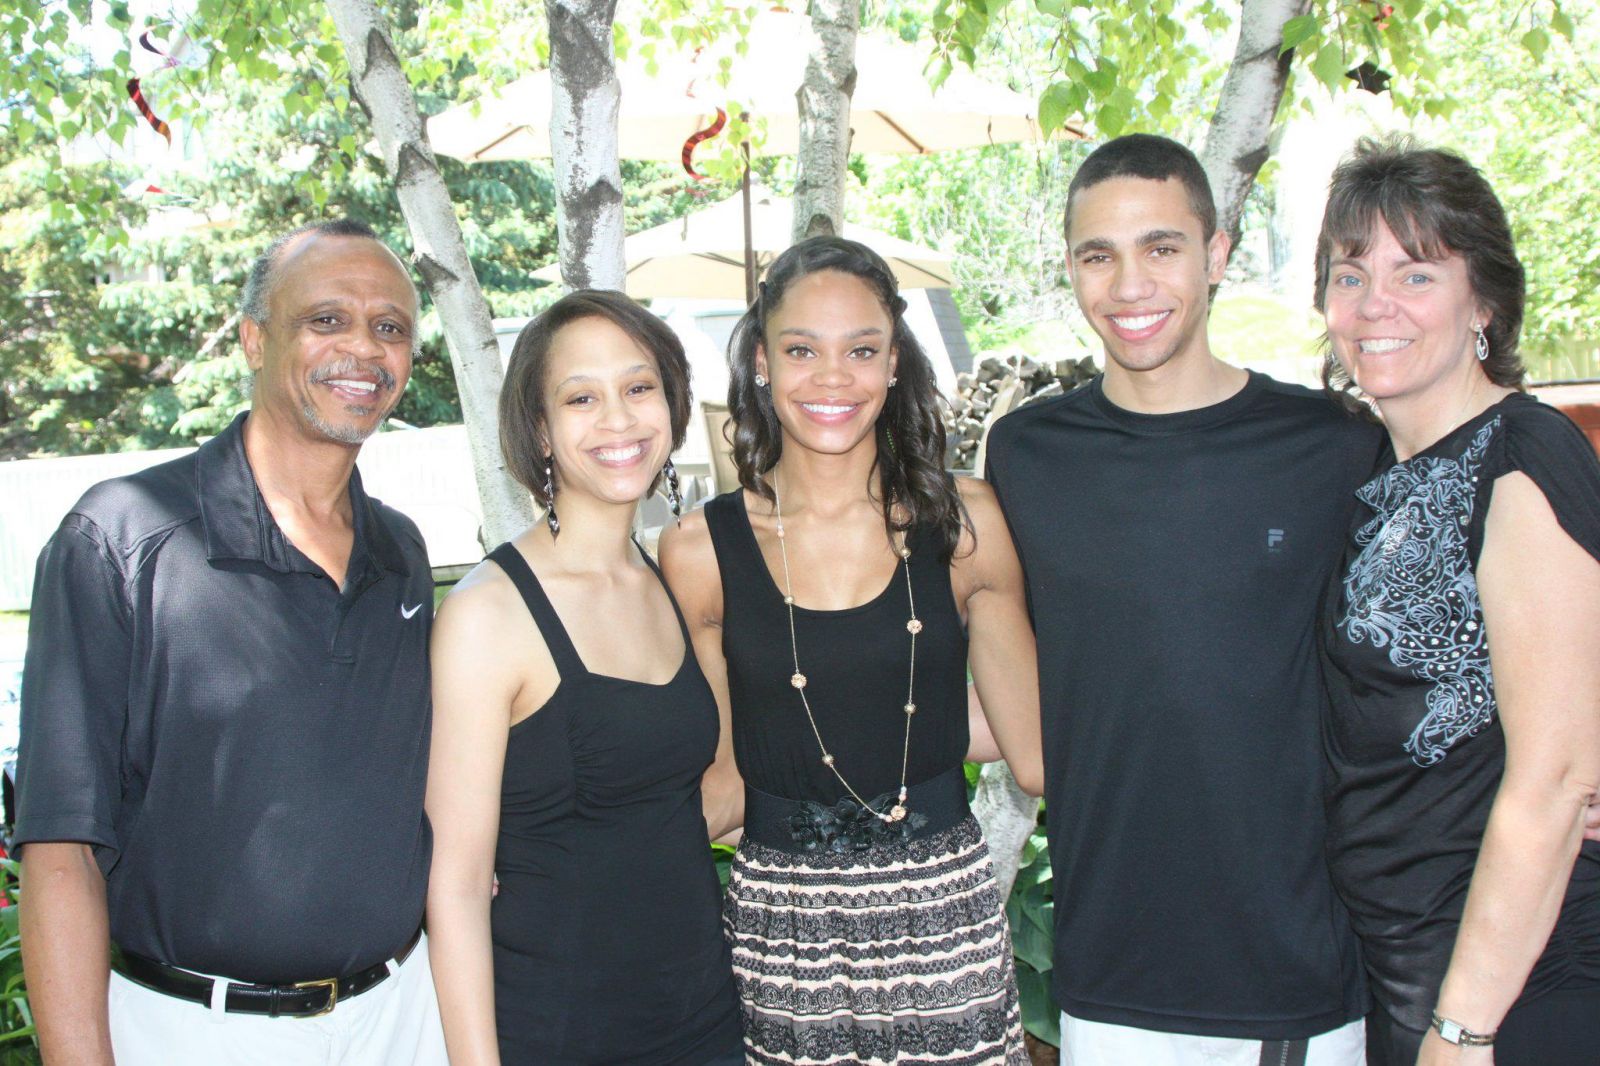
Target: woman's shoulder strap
(516,567)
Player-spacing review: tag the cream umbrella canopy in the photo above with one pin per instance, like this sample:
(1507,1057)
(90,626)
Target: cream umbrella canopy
(893,109)
(701,255)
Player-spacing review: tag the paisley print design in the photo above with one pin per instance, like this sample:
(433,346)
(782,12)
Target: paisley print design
(1411,590)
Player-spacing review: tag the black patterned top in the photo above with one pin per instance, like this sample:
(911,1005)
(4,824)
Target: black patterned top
(1413,736)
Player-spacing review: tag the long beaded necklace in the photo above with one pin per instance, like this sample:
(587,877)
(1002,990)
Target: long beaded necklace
(798,679)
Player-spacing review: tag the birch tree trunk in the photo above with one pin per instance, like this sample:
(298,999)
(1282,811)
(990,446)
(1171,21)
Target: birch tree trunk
(379,84)
(824,99)
(1007,815)
(585,97)
(1237,141)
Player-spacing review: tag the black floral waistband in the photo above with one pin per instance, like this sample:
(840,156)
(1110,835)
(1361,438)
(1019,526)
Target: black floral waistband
(808,827)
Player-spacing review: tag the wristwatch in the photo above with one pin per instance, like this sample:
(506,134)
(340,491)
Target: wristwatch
(1456,1033)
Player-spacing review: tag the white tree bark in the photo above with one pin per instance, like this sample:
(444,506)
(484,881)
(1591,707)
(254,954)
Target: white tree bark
(824,99)
(1008,816)
(440,255)
(1237,141)
(583,143)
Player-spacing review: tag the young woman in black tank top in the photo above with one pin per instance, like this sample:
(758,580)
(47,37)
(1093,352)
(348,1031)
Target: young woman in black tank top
(571,728)
(831,603)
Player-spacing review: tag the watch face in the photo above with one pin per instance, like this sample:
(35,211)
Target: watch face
(1451,1031)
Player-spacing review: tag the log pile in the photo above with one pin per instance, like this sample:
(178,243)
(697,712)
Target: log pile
(976,393)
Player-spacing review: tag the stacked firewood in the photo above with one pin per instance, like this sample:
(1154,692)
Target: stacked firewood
(977,392)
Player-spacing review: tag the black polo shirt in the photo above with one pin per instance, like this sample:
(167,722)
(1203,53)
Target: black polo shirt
(243,743)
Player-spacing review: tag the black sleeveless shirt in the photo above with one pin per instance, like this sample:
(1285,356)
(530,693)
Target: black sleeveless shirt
(855,661)
(608,945)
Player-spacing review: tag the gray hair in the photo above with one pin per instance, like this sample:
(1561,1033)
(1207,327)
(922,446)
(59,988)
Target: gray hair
(263,272)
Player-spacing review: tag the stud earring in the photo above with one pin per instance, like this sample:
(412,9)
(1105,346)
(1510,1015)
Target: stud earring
(892,380)
(550,494)
(674,496)
(761,381)
(1480,346)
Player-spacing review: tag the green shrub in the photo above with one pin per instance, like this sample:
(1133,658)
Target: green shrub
(18,1044)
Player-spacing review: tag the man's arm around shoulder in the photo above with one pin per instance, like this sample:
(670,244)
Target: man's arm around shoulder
(66,952)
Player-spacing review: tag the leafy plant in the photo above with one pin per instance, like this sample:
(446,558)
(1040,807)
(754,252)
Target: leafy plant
(1031,914)
(18,1043)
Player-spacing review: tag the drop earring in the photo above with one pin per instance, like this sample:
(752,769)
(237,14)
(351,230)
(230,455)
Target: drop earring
(1480,346)
(674,496)
(550,494)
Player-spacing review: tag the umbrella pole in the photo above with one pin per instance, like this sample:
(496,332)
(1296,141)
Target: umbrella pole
(749,243)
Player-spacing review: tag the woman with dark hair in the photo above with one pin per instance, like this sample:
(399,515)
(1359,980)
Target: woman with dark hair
(835,602)
(571,728)
(1460,640)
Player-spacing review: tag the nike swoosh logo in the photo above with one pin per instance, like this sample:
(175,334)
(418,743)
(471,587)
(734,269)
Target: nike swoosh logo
(407,612)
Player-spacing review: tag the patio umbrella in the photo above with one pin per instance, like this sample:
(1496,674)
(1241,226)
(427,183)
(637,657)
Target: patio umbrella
(892,109)
(702,254)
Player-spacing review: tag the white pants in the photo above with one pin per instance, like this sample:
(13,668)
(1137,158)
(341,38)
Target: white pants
(395,1023)
(1086,1043)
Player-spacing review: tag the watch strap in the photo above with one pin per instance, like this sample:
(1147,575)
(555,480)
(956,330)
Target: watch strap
(1452,1032)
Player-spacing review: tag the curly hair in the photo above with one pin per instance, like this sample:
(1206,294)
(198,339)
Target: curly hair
(914,487)
(1436,204)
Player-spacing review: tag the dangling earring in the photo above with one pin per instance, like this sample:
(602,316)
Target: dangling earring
(550,494)
(674,497)
(1481,345)
(761,380)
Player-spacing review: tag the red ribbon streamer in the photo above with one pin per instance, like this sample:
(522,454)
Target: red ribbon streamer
(156,123)
(694,141)
(144,40)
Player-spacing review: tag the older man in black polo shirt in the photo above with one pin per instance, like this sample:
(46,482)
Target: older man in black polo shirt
(225,716)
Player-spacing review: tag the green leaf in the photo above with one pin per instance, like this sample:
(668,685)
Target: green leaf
(1040,1015)
(1053,107)
(1328,66)
(1299,30)
(1053,8)
(1031,944)
(1101,81)
(1537,42)
(1561,22)
(1111,120)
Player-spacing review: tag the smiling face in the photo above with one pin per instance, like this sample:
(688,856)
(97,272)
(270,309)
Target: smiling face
(334,354)
(1142,271)
(1402,327)
(828,355)
(606,418)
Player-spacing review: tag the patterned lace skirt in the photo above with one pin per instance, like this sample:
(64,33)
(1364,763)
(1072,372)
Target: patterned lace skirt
(898,953)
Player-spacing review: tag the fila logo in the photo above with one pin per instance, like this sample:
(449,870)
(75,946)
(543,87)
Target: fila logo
(1274,541)
(407,612)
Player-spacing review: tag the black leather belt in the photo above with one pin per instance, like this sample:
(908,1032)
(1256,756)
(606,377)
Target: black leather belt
(302,999)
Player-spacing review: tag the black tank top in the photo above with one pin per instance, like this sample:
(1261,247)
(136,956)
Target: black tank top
(608,945)
(855,662)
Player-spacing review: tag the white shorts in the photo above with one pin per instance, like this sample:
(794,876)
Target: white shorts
(1086,1043)
(395,1023)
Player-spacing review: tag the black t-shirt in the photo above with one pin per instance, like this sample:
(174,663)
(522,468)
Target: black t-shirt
(1174,566)
(244,744)
(1413,735)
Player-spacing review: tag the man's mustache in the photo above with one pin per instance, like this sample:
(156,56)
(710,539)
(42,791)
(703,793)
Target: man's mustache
(346,368)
